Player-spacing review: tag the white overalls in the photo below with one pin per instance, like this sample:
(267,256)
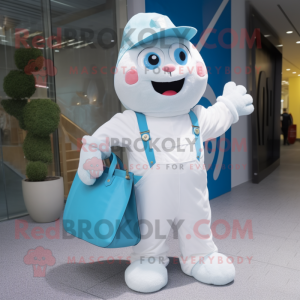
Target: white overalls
(174,191)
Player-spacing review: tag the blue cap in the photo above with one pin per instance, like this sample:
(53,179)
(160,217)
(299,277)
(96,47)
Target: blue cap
(145,27)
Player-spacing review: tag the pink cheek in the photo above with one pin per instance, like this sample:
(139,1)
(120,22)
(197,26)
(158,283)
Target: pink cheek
(131,77)
(201,69)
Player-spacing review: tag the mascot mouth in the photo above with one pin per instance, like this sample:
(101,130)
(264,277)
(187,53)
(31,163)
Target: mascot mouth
(168,88)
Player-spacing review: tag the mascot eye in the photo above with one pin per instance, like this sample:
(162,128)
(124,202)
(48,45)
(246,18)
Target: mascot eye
(180,56)
(152,60)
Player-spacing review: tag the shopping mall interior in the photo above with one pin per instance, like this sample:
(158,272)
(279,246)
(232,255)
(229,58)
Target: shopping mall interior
(253,169)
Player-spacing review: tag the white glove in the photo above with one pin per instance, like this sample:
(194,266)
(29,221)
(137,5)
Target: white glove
(90,162)
(237,101)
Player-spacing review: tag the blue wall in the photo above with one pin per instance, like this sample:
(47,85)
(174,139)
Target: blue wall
(198,14)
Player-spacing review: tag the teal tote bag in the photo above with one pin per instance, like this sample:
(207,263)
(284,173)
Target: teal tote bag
(104,214)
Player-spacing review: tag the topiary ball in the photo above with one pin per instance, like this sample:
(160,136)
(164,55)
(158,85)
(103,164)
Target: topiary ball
(37,148)
(41,117)
(24,55)
(36,171)
(18,85)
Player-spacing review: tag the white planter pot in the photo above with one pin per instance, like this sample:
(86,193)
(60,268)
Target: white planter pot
(44,200)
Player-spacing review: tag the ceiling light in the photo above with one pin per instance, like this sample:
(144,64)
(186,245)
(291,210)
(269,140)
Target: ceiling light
(61,3)
(279,45)
(294,72)
(298,42)
(56,45)
(84,45)
(267,35)
(42,86)
(35,33)
(289,32)
(288,69)
(282,100)
(75,43)
(298,74)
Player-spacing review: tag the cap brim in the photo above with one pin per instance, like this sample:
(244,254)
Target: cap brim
(181,32)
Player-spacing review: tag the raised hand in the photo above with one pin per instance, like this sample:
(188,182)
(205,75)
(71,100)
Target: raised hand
(237,100)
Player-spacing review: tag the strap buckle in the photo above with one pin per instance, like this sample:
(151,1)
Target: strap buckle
(145,135)
(196,129)
(145,132)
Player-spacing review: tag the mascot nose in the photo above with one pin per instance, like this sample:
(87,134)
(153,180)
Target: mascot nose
(169,68)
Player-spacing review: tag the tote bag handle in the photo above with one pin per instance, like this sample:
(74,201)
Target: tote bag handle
(109,160)
(111,171)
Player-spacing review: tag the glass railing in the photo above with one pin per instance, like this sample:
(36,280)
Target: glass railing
(78,74)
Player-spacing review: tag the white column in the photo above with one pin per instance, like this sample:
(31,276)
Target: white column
(134,7)
(241,131)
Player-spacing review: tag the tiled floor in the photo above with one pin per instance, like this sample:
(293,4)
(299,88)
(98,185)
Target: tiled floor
(273,272)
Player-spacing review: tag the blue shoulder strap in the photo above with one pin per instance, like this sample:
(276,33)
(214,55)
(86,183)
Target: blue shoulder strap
(145,135)
(196,132)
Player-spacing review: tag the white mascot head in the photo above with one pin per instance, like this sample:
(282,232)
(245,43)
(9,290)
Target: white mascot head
(159,71)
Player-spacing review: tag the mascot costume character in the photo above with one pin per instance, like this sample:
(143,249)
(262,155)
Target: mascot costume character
(161,78)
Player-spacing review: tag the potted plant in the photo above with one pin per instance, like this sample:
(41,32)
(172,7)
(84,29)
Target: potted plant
(43,196)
